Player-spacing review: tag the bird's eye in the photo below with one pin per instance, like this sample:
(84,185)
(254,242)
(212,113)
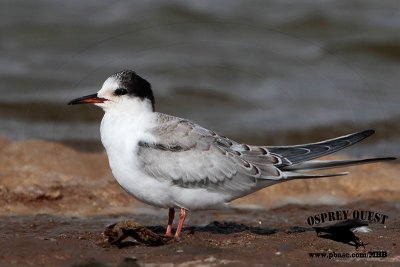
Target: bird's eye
(120,91)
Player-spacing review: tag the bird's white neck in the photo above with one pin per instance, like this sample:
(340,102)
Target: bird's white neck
(125,124)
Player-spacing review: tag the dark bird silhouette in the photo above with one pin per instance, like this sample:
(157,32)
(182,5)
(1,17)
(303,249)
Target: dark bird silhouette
(342,232)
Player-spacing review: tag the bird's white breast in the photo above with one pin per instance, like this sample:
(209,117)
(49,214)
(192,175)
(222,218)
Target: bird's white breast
(120,135)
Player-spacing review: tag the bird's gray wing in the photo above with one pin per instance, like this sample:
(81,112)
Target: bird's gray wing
(191,156)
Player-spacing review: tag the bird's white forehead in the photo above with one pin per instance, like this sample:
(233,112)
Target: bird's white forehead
(110,84)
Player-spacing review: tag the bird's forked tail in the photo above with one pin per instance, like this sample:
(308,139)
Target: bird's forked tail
(299,158)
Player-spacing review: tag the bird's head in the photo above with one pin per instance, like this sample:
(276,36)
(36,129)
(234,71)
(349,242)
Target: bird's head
(122,89)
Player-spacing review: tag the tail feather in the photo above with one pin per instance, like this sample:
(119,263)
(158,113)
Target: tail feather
(298,175)
(328,164)
(295,161)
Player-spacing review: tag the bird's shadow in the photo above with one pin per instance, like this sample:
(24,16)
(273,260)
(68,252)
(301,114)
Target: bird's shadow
(227,228)
(342,232)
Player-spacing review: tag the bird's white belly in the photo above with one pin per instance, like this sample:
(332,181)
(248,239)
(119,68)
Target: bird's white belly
(160,193)
(127,170)
(135,182)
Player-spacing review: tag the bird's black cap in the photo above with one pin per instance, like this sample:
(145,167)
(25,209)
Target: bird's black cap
(136,85)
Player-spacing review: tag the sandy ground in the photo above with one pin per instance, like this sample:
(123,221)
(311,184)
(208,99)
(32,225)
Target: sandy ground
(278,237)
(55,203)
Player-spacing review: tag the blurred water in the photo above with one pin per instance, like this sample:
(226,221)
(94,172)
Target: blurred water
(266,72)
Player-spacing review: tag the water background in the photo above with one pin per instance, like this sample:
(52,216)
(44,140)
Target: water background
(263,72)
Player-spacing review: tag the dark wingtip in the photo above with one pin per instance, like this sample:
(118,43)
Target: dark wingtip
(368,132)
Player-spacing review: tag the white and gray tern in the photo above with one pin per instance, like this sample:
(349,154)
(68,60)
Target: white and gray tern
(170,162)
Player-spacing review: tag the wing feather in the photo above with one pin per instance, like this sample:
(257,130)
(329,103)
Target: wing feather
(300,153)
(191,156)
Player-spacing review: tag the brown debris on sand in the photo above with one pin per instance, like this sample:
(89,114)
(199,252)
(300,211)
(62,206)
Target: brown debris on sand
(118,232)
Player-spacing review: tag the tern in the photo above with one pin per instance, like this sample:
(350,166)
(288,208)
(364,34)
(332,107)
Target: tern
(171,162)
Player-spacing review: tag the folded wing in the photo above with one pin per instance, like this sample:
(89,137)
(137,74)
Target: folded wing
(190,156)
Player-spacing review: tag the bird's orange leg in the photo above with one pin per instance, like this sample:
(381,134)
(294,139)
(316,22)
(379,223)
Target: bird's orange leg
(182,217)
(171,214)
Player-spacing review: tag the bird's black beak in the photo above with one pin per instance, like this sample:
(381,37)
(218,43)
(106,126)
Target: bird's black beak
(89,99)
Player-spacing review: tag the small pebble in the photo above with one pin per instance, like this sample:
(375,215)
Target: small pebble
(130,259)
(278,253)
(179,251)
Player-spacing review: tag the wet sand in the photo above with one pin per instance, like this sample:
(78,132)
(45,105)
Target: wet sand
(55,202)
(277,237)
